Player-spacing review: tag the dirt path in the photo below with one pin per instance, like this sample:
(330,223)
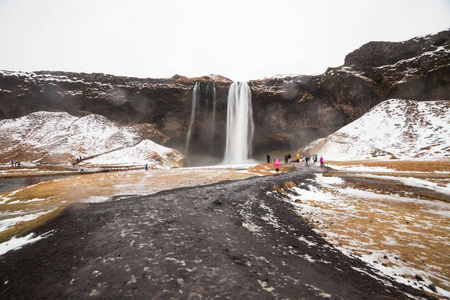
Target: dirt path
(226,240)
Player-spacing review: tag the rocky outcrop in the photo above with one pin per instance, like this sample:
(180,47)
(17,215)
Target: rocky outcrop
(293,110)
(289,111)
(377,54)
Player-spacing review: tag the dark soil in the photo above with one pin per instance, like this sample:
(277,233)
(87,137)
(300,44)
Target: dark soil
(227,240)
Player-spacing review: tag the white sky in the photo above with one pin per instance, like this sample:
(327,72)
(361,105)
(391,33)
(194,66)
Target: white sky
(239,39)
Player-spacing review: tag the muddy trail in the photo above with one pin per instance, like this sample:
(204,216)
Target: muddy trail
(226,240)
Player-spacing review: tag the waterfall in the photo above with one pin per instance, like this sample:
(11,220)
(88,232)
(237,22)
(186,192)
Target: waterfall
(209,117)
(214,106)
(239,124)
(213,119)
(195,101)
(207,100)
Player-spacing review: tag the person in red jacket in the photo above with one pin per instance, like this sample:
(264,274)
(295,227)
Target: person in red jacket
(277,166)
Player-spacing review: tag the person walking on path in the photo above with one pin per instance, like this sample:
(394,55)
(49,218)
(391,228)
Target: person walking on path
(268,158)
(277,166)
(321,162)
(298,157)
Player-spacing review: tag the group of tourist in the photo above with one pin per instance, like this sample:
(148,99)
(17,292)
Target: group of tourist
(77,161)
(299,158)
(15,163)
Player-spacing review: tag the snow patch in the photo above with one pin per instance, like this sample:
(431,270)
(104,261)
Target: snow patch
(96,199)
(17,243)
(399,128)
(9,223)
(146,152)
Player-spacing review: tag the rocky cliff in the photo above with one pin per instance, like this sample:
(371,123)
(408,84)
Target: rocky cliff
(289,111)
(292,110)
(163,103)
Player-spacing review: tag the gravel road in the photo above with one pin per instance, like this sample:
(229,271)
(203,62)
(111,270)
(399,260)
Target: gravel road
(229,240)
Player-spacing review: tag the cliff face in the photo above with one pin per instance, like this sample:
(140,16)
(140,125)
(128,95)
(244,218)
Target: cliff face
(164,103)
(289,111)
(292,110)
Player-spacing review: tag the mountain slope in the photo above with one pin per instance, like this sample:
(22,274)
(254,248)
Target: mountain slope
(393,128)
(58,137)
(145,152)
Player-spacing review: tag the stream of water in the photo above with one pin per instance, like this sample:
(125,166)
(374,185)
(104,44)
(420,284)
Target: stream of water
(239,124)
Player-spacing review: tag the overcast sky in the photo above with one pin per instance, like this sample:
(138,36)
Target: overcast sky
(240,39)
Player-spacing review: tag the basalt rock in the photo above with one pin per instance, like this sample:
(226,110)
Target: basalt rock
(292,110)
(289,111)
(377,54)
(164,103)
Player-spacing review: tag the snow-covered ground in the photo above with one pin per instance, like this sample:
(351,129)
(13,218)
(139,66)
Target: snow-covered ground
(58,137)
(402,237)
(394,128)
(17,243)
(144,153)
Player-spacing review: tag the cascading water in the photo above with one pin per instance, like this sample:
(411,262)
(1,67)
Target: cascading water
(195,101)
(239,124)
(212,119)
(207,104)
(214,107)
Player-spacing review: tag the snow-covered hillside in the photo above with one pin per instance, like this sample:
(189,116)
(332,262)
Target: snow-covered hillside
(58,137)
(394,128)
(145,152)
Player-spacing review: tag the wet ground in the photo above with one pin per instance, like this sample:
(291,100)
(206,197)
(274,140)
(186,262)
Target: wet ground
(226,240)
(8,184)
(16,177)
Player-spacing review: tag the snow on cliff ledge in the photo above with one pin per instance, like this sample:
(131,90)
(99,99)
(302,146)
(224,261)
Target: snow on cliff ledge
(393,128)
(60,138)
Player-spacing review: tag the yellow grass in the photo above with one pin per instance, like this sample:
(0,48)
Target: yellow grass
(409,233)
(82,187)
(23,228)
(394,228)
(53,195)
(401,165)
(268,169)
